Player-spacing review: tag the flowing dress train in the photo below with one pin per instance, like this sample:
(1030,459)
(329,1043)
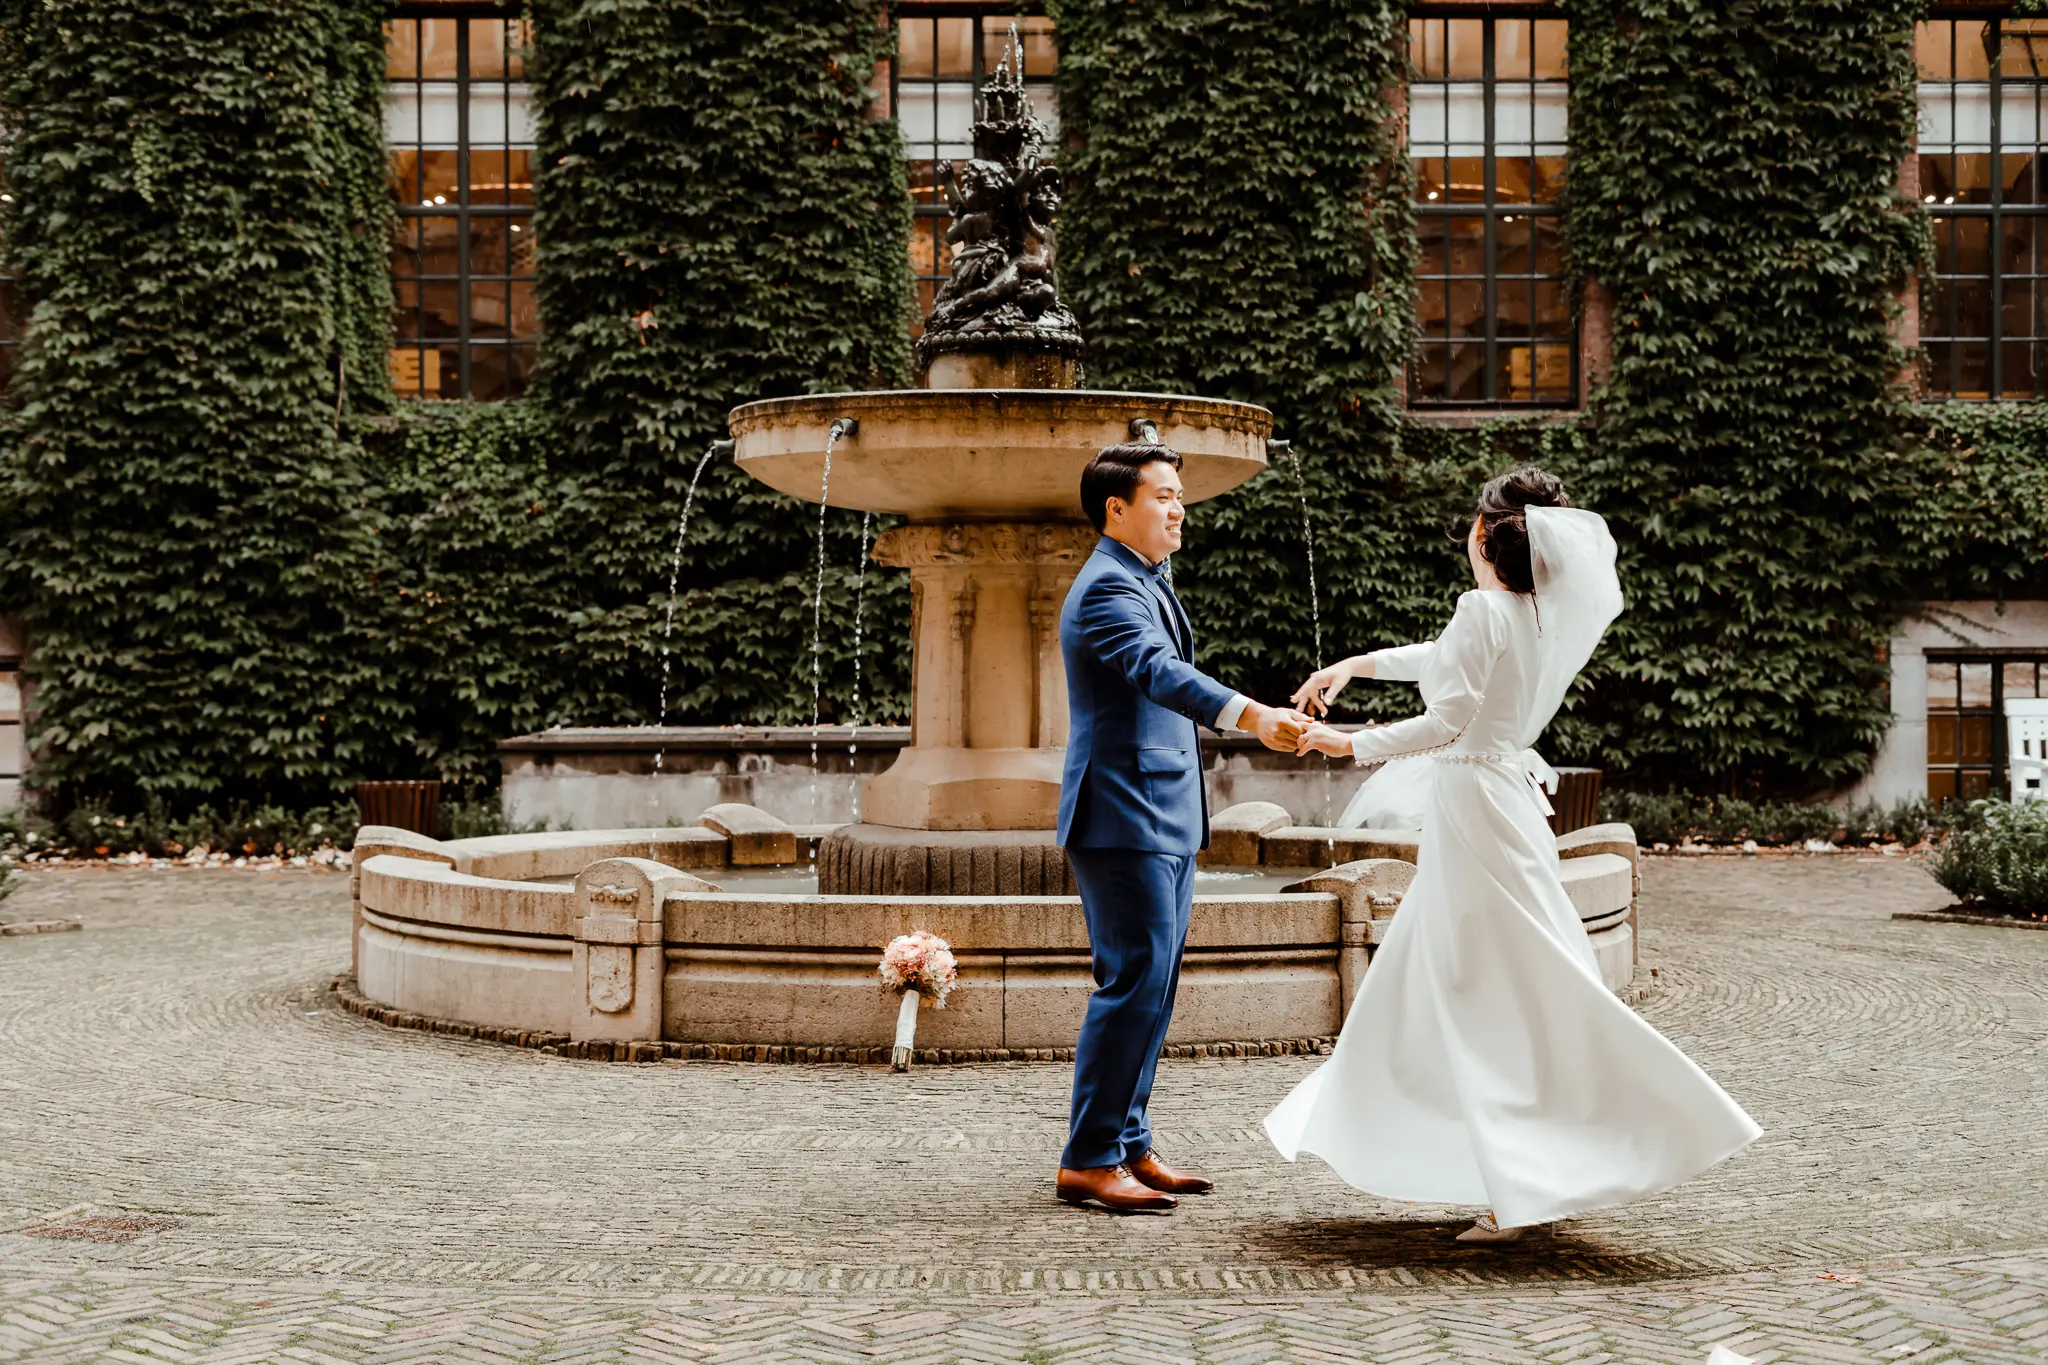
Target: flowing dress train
(1484,1061)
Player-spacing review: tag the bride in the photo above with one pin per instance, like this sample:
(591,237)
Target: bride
(1484,1062)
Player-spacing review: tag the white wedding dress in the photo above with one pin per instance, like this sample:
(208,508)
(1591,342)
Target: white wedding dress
(1484,1062)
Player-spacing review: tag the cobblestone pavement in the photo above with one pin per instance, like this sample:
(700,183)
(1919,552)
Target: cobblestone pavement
(201,1158)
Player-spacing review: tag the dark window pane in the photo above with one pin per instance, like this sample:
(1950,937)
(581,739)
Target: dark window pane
(489,308)
(487,49)
(1429,232)
(914,49)
(1937,368)
(13,310)
(487,243)
(1467,245)
(1972,247)
(438,48)
(1973,369)
(1553,309)
(494,373)
(2018,308)
(1973,308)
(1551,50)
(405,297)
(1941,684)
(1976,738)
(1549,246)
(1973,178)
(1512,177)
(441,301)
(1512,297)
(440,245)
(1467,183)
(1429,375)
(1976,685)
(2016,246)
(405,175)
(1465,49)
(525,311)
(1511,52)
(1426,48)
(1468,308)
(1972,58)
(1467,373)
(1941,739)
(1973,784)
(1941,786)
(2019,681)
(1430,178)
(521,247)
(440,178)
(1429,307)
(2017,170)
(401,49)
(1511,244)
(519,176)
(1548,187)
(1553,374)
(2016,377)
(954,47)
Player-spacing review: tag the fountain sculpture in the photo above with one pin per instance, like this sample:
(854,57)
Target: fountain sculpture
(601,943)
(985,461)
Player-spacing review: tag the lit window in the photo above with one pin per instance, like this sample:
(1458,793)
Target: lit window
(941,62)
(1966,739)
(458,115)
(1984,311)
(1486,130)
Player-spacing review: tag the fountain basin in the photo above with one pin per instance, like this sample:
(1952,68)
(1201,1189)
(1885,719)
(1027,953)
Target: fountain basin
(640,949)
(985,454)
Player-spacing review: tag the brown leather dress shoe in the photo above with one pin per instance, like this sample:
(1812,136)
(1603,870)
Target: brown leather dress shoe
(1150,1170)
(1114,1188)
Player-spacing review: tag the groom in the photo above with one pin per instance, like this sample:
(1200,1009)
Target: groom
(1133,814)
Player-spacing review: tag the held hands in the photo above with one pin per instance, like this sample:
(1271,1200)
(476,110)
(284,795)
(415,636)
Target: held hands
(1278,728)
(1324,739)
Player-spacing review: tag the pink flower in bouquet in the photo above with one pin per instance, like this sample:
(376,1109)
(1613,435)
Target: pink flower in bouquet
(920,962)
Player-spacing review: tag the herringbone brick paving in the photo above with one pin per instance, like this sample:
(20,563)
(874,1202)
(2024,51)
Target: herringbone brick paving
(201,1159)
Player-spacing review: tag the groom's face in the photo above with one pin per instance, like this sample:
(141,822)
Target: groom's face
(1150,522)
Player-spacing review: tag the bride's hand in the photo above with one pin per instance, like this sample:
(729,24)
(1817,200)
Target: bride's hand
(1322,687)
(1324,739)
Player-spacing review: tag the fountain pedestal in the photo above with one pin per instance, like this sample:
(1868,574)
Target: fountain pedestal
(989,692)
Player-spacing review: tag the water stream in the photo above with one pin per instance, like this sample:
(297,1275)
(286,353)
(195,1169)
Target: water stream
(675,571)
(841,427)
(860,589)
(1315,612)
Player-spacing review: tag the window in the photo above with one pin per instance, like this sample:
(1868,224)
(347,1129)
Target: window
(1966,697)
(1984,313)
(941,62)
(1486,131)
(13,753)
(458,115)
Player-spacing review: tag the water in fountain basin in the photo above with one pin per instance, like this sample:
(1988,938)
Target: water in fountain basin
(675,571)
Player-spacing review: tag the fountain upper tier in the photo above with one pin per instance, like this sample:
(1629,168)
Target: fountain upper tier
(986,454)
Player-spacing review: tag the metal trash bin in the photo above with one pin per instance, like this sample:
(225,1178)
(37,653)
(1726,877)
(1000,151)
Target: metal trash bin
(1576,803)
(404,805)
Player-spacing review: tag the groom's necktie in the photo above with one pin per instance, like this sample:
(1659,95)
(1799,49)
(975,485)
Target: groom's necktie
(1176,619)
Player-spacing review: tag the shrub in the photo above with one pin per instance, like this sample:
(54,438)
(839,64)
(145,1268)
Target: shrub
(1997,858)
(1676,817)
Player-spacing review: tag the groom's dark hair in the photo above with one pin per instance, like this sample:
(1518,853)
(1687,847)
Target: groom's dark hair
(1116,472)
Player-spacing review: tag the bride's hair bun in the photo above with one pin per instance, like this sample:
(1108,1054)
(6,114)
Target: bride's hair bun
(1504,530)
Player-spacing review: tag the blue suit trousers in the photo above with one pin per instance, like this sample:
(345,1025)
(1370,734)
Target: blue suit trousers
(1137,905)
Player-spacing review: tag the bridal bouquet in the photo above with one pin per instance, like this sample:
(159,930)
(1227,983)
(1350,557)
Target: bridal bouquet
(916,966)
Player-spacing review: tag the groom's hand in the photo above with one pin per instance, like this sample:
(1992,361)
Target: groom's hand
(1277,728)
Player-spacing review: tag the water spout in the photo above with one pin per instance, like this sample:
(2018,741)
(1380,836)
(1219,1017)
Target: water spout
(675,570)
(841,428)
(1146,430)
(1285,450)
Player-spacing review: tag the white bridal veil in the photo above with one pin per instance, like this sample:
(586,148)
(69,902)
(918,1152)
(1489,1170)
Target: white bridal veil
(1578,594)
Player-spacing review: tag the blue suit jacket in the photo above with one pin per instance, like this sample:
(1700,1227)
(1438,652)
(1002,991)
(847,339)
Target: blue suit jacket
(1133,776)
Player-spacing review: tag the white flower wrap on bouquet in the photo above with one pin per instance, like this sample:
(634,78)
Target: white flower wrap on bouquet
(916,966)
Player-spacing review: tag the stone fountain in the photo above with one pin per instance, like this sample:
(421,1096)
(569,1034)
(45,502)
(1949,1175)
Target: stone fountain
(985,461)
(609,943)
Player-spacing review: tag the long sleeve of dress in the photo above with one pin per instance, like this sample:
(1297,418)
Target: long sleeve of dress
(1402,663)
(1452,682)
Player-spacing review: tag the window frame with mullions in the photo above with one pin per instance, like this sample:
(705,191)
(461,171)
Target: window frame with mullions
(462,212)
(930,218)
(1944,307)
(1998,769)
(1492,212)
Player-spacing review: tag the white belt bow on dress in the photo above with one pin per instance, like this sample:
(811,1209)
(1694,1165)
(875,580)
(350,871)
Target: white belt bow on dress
(1540,776)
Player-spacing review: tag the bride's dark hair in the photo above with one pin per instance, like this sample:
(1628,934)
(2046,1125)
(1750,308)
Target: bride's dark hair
(1504,530)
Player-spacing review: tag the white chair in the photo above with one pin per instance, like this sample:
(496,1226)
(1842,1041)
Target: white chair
(2026,748)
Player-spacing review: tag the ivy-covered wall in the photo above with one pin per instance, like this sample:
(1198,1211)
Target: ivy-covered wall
(249,575)
(1239,223)
(199,215)
(719,221)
